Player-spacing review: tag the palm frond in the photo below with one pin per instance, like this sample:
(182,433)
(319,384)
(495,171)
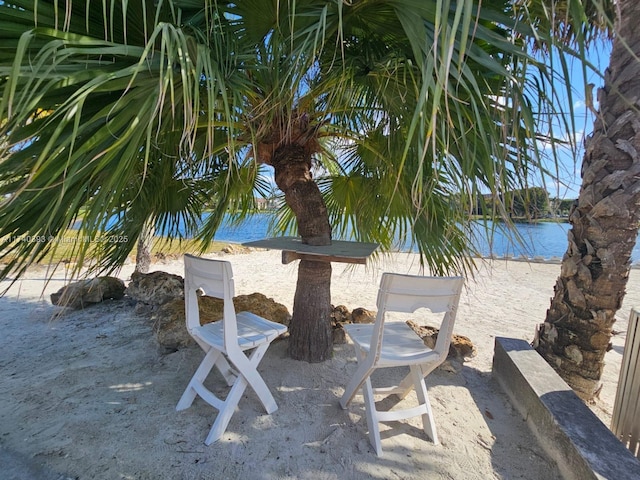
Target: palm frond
(119,114)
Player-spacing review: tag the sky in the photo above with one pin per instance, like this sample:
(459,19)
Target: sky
(570,165)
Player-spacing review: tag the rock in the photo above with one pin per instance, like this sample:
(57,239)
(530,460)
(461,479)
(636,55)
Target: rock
(169,321)
(265,307)
(340,314)
(235,248)
(460,348)
(162,257)
(362,315)
(86,292)
(169,329)
(155,288)
(338,334)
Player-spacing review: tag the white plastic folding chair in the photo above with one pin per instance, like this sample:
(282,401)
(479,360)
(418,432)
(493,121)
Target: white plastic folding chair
(225,342)
(394,344)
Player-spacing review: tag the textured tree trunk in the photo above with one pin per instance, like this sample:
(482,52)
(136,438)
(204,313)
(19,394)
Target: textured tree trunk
(605,219)
(143,251)
(310,336)
(310,329)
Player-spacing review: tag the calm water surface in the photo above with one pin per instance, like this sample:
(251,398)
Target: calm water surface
(547,239)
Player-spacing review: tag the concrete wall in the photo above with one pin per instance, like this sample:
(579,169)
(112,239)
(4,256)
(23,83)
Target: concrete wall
(571,434)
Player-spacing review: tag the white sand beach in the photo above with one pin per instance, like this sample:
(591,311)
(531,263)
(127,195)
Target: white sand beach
(89,395)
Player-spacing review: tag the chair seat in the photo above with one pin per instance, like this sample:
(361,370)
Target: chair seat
(253,331)
(400,344)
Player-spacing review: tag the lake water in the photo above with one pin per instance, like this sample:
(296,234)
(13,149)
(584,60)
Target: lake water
(545,239)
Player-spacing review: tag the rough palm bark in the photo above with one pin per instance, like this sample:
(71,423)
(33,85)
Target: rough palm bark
(310,329)
(605,220)
(143,251)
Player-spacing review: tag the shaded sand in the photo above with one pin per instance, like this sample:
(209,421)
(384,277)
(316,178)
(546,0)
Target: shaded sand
(88,394)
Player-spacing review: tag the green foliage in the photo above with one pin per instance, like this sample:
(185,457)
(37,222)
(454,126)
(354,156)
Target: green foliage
(530,203)
(117,113)
(561,206)
(526,204)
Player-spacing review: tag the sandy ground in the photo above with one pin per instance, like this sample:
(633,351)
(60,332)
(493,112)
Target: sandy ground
(88,394)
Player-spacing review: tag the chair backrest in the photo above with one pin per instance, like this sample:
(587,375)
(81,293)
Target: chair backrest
(408,293)
(215,279)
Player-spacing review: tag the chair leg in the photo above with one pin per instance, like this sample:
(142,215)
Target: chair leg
(226,412)
(356,382)
(372,417)
(428,423)
(221,364)
(247,375)
(362,379)
(247,369)
(198,378)
(357,379)
(226,370)
(407,383)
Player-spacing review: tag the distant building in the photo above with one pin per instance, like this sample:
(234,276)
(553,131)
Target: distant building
(266,203)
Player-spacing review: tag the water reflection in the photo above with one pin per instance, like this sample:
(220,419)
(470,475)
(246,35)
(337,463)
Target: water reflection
(545,239)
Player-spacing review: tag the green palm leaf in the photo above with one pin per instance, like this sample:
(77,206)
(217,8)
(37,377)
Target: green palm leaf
(116,114)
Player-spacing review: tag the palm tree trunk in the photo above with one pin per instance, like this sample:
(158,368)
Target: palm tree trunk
(310,336)
(310,329)
(143,251)
(605,220)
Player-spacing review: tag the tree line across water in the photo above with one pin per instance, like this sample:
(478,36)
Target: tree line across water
(527,204)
